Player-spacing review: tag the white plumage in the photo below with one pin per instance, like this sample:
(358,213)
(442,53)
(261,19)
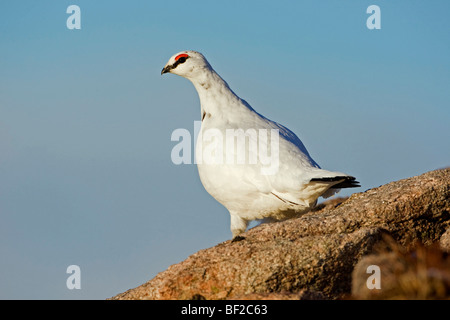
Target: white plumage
(294,182)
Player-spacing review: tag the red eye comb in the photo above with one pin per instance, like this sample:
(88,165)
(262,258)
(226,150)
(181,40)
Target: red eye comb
(183,55)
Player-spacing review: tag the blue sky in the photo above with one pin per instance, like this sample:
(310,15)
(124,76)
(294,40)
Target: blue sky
(86,119)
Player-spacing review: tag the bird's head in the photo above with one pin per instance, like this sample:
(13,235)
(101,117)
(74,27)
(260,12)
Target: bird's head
(187,64)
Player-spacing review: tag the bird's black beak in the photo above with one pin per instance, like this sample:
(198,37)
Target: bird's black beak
(166,69)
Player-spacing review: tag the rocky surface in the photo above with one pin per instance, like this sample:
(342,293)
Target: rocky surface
(422,273)
(324,254)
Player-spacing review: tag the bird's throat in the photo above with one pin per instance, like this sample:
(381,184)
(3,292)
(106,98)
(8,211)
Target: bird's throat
(215,95)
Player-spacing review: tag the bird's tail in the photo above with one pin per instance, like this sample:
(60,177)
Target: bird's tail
(348,181)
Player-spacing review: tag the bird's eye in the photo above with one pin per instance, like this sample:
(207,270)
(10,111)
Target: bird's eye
(181,58)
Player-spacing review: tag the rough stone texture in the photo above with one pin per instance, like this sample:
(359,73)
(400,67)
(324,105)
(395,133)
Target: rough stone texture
(311,257)
(445,241)
(422,273)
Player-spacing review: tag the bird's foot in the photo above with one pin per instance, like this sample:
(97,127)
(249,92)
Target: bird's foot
(237,239)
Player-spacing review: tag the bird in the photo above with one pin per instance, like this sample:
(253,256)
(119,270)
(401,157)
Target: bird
(294,185)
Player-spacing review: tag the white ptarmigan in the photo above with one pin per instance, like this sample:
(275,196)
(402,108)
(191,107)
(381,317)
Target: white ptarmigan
(243,187)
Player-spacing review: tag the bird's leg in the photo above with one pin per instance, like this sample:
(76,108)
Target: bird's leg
(238,226)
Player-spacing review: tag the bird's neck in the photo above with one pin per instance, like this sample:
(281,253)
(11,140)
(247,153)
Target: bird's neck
(216,97)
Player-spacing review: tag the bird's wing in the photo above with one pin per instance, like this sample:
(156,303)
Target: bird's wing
(295,177)
(298,178)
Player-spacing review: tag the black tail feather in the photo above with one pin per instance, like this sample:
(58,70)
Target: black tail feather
(349,181)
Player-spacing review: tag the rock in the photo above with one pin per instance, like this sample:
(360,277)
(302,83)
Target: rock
(303,294)
(445,241)
(313,256)
(422,273)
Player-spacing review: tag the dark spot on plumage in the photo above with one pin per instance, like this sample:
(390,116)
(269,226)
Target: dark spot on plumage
(205,85)
(206,114)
